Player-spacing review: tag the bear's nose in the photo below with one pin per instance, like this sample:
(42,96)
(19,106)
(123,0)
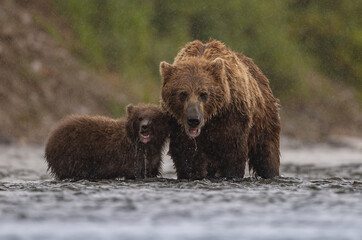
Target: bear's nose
(144,127)
(193,122)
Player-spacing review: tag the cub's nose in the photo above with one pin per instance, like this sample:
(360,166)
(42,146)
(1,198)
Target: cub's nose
(193,122)
(144,124)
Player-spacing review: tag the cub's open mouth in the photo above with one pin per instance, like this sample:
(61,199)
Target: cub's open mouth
(193,132)
(145,137)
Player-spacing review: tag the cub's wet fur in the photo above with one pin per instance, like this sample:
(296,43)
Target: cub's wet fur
(85,147)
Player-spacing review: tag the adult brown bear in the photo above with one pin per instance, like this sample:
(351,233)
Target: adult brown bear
(84,147)
(223,114)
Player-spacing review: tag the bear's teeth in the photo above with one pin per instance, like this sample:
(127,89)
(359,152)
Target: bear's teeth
(145,138)
(194,132)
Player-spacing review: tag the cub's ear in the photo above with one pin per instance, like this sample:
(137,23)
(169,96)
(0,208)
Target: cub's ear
(129,109)
(166,71)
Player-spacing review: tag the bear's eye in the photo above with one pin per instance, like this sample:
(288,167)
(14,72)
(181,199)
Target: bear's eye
(203,96)
(140,119)
(183,96)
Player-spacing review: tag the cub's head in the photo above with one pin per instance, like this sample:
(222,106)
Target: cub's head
(194,91)
(147,123)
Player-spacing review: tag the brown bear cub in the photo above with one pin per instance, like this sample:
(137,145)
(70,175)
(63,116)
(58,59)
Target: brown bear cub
(223,114)
(84,147)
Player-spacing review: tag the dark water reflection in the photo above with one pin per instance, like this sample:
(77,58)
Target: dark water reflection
(307,202)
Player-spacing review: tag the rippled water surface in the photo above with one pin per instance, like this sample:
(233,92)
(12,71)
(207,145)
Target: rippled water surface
(319,196)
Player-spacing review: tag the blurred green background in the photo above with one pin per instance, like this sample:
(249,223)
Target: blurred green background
(310,50)
(287,39)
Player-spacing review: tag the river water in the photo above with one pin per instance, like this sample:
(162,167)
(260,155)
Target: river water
(318,196)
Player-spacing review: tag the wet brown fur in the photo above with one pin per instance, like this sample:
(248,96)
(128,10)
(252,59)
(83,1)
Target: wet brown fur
(241,114)
(84,147)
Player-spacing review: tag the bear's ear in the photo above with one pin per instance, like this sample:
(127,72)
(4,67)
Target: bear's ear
(217,67)
(129,109)
(217,70)
(166,71)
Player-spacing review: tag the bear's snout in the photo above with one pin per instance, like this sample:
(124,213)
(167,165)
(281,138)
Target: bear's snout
(194,119)
(193,122)
(145,133)
(144,127)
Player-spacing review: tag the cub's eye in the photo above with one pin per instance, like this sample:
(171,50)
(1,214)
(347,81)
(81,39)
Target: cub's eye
(203,96)
(140,119)
(183,96)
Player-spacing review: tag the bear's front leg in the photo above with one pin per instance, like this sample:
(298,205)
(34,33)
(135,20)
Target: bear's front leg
(199,166)
(232,165)
(190,162)
(152,165)
(182,153)
(181,150)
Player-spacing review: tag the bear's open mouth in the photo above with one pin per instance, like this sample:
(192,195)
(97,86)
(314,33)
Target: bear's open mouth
(145,137)
(194,132)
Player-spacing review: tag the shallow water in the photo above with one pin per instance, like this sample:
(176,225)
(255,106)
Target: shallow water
(319,196)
